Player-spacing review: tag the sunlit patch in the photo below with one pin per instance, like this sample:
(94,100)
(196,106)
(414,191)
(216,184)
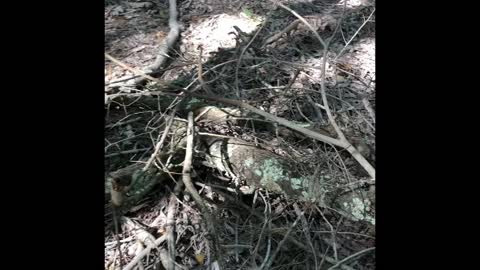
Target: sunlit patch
(362,56)
(365,52)
(354,3)
(218,32)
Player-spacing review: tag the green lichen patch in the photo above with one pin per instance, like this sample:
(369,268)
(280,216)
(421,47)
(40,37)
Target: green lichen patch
(249,162)
(296,183)
(359,209)
(272,171)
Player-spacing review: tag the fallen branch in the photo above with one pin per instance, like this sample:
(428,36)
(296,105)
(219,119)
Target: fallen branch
(305,22)
(307,132)
(277,36)
(141,234)
(368,107)
(120,123)
(354,35)
(144,253)
(162,55)
(148,77)
(170,226)
(167,43)
(132,151)
(134,70)
(282,242)
(200,73)
(306,231)
(187,167)
(241,55)
(159,144)
(117,82)
(350,257)
(290,238)
(343,142)
(322,82)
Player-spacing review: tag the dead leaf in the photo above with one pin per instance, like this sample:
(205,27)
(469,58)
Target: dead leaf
(200,258)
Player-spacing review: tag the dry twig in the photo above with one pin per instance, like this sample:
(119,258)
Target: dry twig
(187,167)
(354,35)
(287,29)
(134,70)
(144,253)
(340,263)
(159,144)
(307,132)
(342,139)
(291,239)
(170,225)
(241,55)
(283,241)
(200,73)
(167,43)
(306,231)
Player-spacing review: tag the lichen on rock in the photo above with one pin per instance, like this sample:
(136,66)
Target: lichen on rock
(358,205)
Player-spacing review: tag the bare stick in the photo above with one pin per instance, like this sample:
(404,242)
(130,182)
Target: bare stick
(350,257)
(159,145)
(200,74)
(349,147)
(241,55)
(305,22)
(170,225)
(213,68)
(186,177)
(144,253)
(295,75)
(307,132)
(119,123)
(128,78)
(306,231)
(281,121)
(141,234)
(369,108)
(134,70)
(161,83)
(322,82)
(268,212)
(334,243)
(354,35)
(126,152)
(283,241)
(318,112)
(167,43)
(325,101)
(287,29)
(291,239)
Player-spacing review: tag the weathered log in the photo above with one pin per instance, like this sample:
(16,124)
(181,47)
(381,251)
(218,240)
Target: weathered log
(259,168)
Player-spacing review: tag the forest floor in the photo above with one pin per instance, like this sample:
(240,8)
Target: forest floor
(244,50)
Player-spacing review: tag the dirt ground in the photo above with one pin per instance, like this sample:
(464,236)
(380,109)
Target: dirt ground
(238,47)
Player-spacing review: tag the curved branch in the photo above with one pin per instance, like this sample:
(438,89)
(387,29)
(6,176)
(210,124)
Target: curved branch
(344,143)
(167,43)
(307,132)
